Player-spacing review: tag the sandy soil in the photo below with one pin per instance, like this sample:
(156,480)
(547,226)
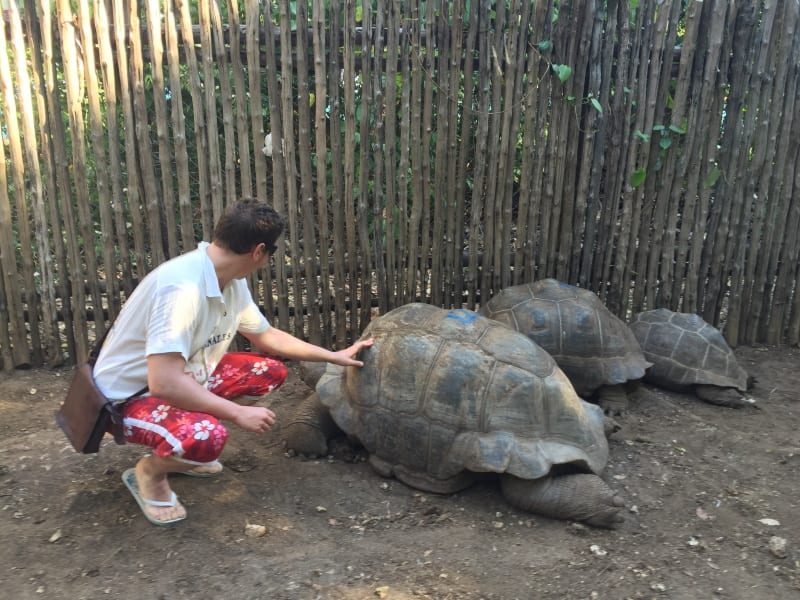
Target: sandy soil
(711,493)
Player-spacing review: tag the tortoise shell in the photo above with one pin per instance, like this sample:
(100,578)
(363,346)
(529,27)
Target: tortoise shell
(592,345)
(686,351)
(443,391)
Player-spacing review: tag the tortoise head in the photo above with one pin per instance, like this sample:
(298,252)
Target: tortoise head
(311,372)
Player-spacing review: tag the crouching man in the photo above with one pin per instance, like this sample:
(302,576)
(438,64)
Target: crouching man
(171,339)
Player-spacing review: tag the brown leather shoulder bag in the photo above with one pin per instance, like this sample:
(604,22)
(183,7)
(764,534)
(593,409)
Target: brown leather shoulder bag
(86,415)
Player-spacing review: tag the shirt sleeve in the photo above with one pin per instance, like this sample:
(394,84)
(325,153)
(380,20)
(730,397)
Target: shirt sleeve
(172,320)
(251,320)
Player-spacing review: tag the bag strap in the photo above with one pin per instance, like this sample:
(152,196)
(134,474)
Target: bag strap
(95,351)
(113,408)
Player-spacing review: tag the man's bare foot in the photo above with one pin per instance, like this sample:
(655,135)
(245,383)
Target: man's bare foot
(151,479)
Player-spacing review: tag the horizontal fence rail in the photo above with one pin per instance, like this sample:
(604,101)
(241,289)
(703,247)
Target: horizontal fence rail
(421,151)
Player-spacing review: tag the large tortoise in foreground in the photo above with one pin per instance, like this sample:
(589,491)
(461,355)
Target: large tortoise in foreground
(688,354)
(447,394)
(595,348)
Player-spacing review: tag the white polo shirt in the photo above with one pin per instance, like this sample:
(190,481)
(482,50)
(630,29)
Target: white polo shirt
(178,307)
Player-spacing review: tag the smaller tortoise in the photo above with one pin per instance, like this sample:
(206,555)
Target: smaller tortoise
(688,354)
(447,395)
(592,346)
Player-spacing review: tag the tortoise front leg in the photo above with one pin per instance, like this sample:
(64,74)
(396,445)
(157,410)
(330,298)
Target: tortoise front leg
(310,427)
(723,396)
(613,399)
(577,497)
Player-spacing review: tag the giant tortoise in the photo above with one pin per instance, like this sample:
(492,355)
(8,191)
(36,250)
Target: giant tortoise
(688,354)
(596,349)
(445,395)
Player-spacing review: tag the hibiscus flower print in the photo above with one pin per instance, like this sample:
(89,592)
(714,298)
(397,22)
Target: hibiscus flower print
(260,367)
(213,381)
(228,371)
(160,413)
(202,429)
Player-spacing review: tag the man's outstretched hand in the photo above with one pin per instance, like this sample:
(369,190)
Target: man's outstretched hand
(346,358)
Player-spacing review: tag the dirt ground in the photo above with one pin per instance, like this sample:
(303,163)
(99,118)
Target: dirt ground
(711,512)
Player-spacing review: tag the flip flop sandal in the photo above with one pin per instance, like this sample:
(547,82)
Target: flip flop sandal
(129,479)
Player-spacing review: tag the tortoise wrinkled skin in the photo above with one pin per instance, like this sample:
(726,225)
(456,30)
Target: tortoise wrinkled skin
(686,351)
(444,391)
(592,346)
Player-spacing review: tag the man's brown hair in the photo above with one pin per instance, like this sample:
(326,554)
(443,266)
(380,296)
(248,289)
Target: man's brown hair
(247,223)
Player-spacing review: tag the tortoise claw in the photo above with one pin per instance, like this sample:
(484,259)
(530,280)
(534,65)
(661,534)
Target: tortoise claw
(609,517)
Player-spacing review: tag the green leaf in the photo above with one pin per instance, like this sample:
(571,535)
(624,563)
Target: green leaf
(677,129)
(665,143)
(658,128)
(596,105)
(642,136)
(554,15)
(544,45)
(712,177)
(563,72)
(627,90)
(571,99)
(637,177)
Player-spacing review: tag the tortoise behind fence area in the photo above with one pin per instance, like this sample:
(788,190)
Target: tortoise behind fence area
(596,349)
(688,354)
(445,395)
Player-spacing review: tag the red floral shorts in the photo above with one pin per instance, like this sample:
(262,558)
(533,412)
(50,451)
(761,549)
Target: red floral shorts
(193,436)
